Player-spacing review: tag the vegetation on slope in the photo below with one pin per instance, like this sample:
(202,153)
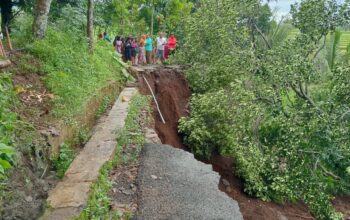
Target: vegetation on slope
(270,107)
(7,125)
(70,73)
(70,77)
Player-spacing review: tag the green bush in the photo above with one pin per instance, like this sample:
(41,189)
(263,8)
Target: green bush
(103,106)
(62,161)
(7,123)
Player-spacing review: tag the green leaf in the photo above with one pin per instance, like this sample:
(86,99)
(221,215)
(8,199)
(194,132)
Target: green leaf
(6,149)
(5,164)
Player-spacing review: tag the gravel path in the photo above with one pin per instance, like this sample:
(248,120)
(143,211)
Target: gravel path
(174,185)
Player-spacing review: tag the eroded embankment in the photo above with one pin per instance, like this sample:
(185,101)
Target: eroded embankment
(172,92)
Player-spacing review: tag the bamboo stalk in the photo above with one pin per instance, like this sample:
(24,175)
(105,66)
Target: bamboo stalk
(155,100)
(8,38)
(2,51)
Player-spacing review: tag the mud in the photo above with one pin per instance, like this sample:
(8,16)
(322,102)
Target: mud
(173,93)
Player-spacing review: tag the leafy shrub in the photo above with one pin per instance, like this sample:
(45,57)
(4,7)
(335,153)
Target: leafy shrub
(62,161)
(83,136)
(103,106)
(6,153)
(7,121)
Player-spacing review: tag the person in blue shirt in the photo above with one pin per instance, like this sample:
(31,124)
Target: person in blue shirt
(106,37)
(148,48)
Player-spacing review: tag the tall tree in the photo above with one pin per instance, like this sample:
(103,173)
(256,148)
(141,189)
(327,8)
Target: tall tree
(90,25)
(6,13)
(40,19)
(152,19)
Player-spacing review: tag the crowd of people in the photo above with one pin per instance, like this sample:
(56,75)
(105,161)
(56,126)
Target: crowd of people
(143,50)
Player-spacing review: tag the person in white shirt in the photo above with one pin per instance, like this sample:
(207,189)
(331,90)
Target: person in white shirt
(161,41)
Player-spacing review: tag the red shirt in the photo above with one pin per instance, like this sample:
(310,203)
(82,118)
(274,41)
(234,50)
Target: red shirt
(172,42)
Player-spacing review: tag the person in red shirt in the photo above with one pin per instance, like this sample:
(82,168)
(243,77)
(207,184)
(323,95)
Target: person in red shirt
(172,44)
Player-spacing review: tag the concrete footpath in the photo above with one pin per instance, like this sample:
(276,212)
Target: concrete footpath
(174,185)
(70,195)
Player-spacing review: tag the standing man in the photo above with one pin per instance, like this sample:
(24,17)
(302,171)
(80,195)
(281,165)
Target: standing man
(148,48)
(161,41)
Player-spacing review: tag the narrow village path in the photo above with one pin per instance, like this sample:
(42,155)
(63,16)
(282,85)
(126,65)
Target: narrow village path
(70,196)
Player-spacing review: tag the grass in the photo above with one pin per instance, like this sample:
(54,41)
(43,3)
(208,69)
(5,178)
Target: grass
(343,44)
(106,101)
(73,75)
(99,204)
(69,72)
(344,41)
(62,161)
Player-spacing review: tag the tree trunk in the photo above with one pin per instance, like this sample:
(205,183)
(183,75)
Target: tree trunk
(90,25)
(40,19)
(6,14)
(152,19)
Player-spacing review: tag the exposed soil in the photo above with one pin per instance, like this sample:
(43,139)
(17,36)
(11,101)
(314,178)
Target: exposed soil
(25,195)
(172,93)
(35,100)
(124,192)
(342,204)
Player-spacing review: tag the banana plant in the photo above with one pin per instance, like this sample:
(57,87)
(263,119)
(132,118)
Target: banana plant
(347,54)
(332,49)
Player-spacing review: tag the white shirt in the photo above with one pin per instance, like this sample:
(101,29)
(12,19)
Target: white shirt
(160,43)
